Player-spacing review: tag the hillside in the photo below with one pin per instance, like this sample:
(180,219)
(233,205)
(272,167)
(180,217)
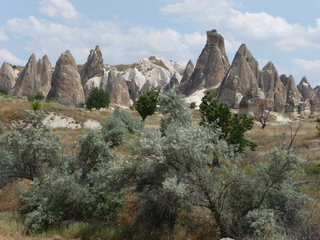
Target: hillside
(280,129)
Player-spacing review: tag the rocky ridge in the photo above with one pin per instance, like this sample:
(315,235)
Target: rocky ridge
(242,85)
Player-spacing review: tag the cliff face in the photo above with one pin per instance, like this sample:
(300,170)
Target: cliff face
(242,85)
(66,84)
(212,65)
(7,77)
(35,78)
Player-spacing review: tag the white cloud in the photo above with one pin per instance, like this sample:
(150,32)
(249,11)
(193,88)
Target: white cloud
(118,44)
(6,56)
(308,68)
(3,36)
(247,27)
(58,8)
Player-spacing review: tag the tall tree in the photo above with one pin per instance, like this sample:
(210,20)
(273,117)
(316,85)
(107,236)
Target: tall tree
(146,105)
(233,126)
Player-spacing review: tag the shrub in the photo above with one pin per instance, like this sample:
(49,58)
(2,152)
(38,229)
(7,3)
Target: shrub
(118,124)
(1,127)
(174,107)
(147,104)
(97,98)
(27,151)
(3,91)
(38,97)
(193,105)
(36,105)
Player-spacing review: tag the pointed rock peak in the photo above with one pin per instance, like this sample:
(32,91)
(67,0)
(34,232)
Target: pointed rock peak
(66,58)
(190,63)
(304,80)
(269,66)
(244,51)
(215,39)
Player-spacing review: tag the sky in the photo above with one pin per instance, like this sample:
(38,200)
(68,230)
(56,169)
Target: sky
(286,32)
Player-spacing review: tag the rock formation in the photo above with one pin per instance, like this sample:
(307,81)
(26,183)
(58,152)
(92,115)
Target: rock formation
(35,78)
(113,83)
(212,65)
(117,88)
(66,84)
(7,77)
(241,77)
(293,95)
(270,83)
(93,66)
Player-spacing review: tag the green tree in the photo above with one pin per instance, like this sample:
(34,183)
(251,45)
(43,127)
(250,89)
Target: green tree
(146,105)
(27,151)
(175,109)
(233,126)
(118,124)
(246,200)
(82,188)
(97,98)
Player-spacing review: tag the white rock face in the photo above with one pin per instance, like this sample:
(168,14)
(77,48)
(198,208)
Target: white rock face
(156,70)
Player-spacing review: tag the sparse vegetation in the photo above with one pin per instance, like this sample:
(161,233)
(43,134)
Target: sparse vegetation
(162,184)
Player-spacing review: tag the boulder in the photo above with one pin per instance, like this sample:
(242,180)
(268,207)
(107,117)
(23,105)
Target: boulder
(241,78)
(35,78)
(66,84)
(7,77)
(212,65)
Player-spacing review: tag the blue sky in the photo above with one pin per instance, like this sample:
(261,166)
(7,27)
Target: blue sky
(286,32)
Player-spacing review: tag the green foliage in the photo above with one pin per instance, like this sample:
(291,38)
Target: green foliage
(26,151)
(175,109)
(147,104)
(233,126)
(2,128)
(36,105)
(118,124)
(80,188)
(98,98)
(318,130)
(171,172)
(38,97)
(193,105)
(3,92)
(318,120)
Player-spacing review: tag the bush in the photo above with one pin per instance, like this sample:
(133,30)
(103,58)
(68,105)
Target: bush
(147,104)
(38,97)
(3,91)
(97,98)
(118,124)
(36,105)
(1,127)
(27,151)
(193,105)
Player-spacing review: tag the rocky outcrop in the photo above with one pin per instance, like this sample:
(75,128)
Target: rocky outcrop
(35,78)
(187,72)
(241,78)
(113,83)
(293,95)
(212,65)
(93,67)
(117,88)
(271,85)
(7,77)
(172,84)
(66,84)
(305,89)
